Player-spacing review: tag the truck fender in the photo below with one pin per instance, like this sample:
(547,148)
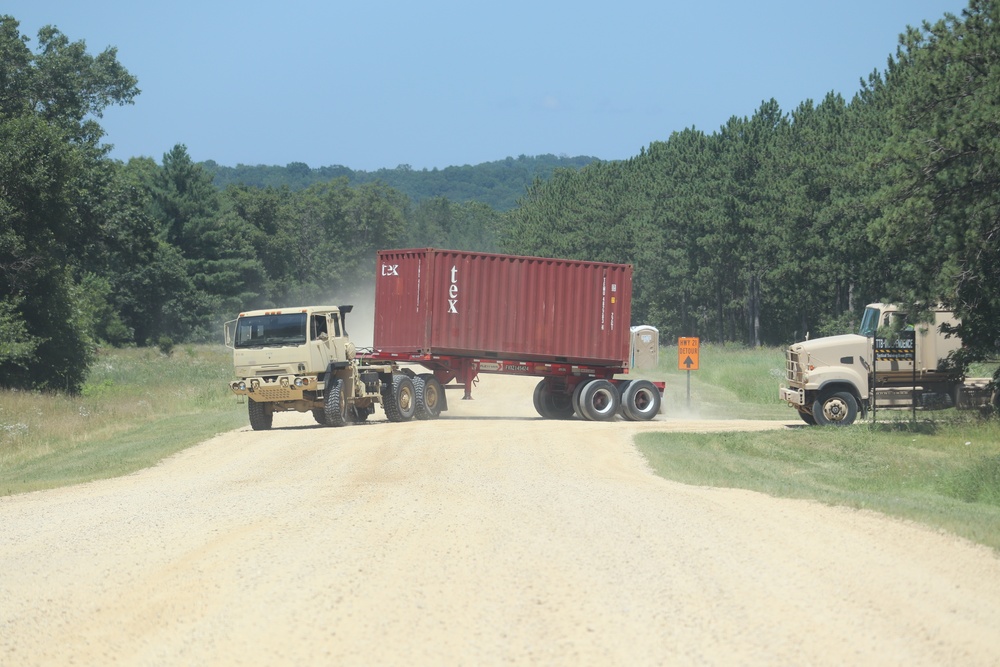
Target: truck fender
(833,386)
(331,371)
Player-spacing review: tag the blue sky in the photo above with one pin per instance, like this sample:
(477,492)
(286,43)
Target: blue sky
(377,84)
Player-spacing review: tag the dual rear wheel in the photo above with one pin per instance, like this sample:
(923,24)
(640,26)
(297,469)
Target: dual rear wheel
(599,400)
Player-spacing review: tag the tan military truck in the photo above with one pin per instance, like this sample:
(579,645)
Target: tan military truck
(302,359)
(893,362)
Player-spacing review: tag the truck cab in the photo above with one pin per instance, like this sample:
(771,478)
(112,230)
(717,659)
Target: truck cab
(282,356)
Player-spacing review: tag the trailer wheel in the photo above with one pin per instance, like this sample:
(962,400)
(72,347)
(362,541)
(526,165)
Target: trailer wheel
(335,408)
(560,405)
(550,404)
(261,415)
(575,400)
(640,401)
(838,408)
(429,396)
(400,403)
(599,401)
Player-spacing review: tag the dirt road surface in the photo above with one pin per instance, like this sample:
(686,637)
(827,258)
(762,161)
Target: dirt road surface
(489,537)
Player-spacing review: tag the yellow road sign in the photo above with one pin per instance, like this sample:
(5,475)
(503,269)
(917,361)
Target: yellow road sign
(687,354)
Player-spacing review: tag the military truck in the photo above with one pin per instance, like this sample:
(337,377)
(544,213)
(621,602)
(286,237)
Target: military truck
(453,315)
(895,361)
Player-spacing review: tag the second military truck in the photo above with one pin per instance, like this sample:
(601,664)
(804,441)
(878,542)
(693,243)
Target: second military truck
(895,361)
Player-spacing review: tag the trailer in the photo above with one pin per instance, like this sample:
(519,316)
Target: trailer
(459,314)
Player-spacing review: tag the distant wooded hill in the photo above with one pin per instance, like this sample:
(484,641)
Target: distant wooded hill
(498,184)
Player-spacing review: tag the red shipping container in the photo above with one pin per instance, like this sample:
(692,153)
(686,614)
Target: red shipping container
(487,305)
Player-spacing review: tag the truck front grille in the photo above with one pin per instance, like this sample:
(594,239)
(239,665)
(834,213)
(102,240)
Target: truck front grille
(793,370)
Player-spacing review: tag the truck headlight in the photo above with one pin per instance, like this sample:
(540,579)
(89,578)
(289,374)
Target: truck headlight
(298,382)
(242,385)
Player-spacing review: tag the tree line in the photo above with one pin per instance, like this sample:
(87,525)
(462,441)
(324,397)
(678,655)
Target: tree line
(776,225)
(498,184)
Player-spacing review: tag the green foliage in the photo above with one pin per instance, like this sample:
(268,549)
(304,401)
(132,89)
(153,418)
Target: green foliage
(54,180)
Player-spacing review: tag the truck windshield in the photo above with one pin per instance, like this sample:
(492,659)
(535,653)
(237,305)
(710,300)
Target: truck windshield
(869,322)
(271,330)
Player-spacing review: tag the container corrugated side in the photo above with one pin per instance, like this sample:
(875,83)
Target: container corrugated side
(431,301)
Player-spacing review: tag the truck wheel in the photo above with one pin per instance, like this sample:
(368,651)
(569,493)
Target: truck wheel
(429,396)
(335,407)
(400,402)
(261,415)
(836,409)
(807,417)
(319,414)
(640,401)
(599,401)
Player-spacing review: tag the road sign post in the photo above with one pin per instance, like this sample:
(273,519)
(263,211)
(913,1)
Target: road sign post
(687,360)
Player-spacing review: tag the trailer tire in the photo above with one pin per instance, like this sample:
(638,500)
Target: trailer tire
(838,408)
(640,401)
(599,400)
(336,406)
(429,396)
(575,400)
(261,415)
(400,402)
(550,404)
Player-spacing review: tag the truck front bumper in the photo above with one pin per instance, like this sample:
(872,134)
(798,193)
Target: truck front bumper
(274,388)
(792,396)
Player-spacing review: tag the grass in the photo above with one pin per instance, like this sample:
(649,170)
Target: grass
(137,407)
(942,470)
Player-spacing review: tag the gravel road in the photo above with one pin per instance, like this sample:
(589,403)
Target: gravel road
(487,537)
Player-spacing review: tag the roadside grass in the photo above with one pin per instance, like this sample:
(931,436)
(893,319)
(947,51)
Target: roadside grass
(732,382)
(137,407)
(942,470)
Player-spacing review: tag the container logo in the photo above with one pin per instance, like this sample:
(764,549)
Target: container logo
(390,269)
(453,292)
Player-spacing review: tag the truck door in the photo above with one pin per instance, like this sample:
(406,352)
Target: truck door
(320,341)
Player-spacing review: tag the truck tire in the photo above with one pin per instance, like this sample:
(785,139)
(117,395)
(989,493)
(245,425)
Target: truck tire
(261,415)
(429,396)
(837,408)
(599,401)
(400,401)
(807,417)
(335,408)
(640,401)
(319,414)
